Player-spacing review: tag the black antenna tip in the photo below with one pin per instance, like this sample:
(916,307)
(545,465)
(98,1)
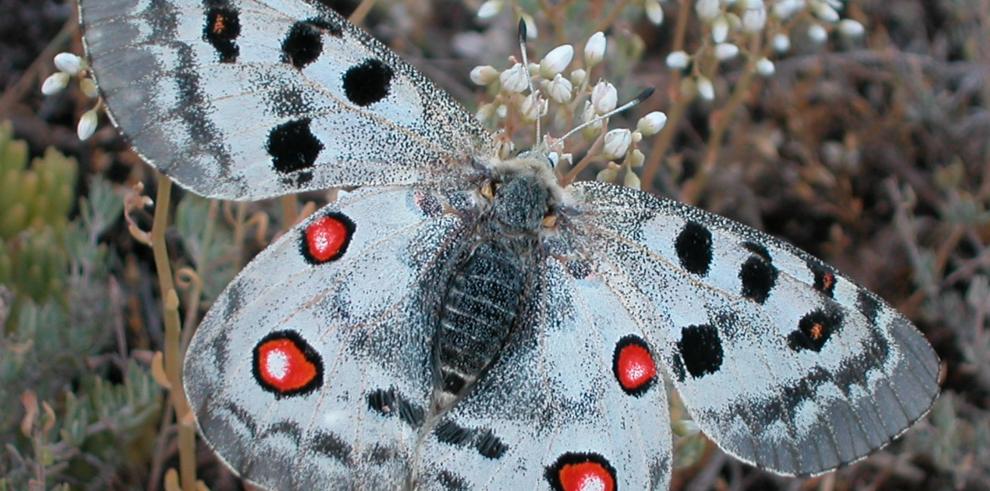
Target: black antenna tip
(522,30)
(645,94)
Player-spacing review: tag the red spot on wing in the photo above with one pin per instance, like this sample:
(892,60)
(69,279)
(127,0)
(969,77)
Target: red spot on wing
(326,238)
(287,365)
(586,476)
(633,365)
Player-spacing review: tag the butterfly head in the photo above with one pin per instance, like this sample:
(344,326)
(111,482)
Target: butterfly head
(524,191)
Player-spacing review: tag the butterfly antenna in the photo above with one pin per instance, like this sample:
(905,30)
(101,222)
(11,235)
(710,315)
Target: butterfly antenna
(644,95)
(529,79)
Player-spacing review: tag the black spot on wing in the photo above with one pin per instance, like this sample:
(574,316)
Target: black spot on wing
(222,27)
(490,446)
(452,482)
(452,433)
(303,43)
(700,349)
(294,149)
(825,278)
(367,82)
(242,416)
(815,329)
(391,403)
(331,446)
(694,248)
(757,274)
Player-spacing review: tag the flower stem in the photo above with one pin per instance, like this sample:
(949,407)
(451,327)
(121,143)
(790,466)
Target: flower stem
(173,348)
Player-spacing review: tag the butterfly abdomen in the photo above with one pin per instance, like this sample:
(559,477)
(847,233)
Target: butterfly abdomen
(480,306)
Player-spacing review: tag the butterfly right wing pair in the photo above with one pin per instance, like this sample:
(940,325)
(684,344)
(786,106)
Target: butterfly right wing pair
(779,359)
(248,99)
(312,370)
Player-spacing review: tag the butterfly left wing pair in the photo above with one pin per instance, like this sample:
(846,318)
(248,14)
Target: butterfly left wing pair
(780,360)
(248,99)
(312,369)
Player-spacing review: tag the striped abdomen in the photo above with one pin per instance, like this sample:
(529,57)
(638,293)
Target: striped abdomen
(482,301)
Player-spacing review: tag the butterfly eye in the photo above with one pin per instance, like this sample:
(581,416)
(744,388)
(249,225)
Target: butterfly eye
(550,220)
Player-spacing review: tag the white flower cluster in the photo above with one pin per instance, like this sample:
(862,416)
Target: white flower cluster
(730,22)
(70,65)
(561,88)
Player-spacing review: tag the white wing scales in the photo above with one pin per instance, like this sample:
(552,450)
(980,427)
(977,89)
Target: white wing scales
(554,404)
(246,99)
(780,360)
(311,375)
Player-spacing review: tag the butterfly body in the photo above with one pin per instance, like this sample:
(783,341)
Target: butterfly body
(460,321)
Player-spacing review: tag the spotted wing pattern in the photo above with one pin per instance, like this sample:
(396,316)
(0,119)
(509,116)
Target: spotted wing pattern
(312,370)
(574,401)
(780,360)
(247,99)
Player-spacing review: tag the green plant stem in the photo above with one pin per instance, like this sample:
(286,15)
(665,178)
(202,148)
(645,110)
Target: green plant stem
(173,348)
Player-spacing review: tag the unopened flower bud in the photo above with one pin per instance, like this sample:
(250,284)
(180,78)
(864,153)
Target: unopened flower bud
(484,75)
(68,63)
(514,79)
(707,9)
(765,67)
(654,12)
(754,19)
(781,43)
(604,97)
(705,89)
(556,61)
(678,60)
(532,107)
(824,12)
(652,123)
(55,83)
(559,89)
(87,124)
(726,51)
(578,76)
(850,28)
(489,9)
(817,33)
(617,143)
(631,180)
(635,158)
(720,29)
(88,87)
(594,49)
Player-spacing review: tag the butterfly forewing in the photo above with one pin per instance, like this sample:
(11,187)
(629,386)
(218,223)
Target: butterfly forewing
(246,99)
(574,398)
(780,360)
(312,370)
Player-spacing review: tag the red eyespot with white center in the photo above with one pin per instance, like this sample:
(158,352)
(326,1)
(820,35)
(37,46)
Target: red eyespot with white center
(633,365)
(581,472)
(287,365)
(326,238)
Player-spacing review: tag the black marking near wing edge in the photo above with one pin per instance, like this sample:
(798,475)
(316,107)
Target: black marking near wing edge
(758,274)
(815,329)
(368,82)
(825,278)
(490,446)
(222,28)
(699,351)
(694,248)
(390,403)
(303,44)
(294,149)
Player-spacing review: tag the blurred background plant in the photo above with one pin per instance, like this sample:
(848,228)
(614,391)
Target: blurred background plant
(858,131)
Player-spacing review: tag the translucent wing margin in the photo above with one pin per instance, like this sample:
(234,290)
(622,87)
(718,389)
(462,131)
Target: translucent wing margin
(312,369)
(551,412)
(781,361)
(247,99)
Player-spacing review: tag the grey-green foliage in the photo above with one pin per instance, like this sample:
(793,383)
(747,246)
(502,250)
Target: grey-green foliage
(208,242)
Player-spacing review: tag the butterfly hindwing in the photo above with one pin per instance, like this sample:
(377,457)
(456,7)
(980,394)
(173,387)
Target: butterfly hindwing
(574,397)
(779,359)
(246,99)
(312,369)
